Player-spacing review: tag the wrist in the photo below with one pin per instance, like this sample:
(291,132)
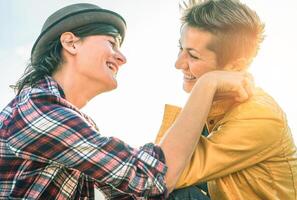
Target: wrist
(209,81)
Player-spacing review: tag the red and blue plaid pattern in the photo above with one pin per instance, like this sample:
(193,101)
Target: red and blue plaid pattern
(50,150)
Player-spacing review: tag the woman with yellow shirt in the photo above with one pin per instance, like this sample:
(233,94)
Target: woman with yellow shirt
(246,151)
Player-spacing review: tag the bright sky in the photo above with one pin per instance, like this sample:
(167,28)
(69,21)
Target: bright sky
(134,111)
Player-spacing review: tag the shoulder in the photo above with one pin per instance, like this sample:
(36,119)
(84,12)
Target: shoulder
(30,93)
(259,117)
(169,115)
(37,101)
(260,106)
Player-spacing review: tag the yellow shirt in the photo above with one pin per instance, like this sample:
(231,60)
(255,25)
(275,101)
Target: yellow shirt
(249,153)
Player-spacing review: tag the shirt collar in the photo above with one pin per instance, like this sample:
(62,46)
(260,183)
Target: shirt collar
(50,84)
(220,107)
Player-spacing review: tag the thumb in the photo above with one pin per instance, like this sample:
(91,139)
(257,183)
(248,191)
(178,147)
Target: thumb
(242,95)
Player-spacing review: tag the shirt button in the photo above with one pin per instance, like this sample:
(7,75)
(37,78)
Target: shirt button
(211,121)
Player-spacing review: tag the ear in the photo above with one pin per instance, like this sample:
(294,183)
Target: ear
(237,65)
(68,41)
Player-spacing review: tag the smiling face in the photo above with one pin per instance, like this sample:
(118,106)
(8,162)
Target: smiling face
(98,61)
(195,58)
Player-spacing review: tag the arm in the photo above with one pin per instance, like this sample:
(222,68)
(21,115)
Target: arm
(242,139)
(188,128)
(49,131)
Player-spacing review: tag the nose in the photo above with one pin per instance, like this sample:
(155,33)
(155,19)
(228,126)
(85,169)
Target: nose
(120,58)
(180,62)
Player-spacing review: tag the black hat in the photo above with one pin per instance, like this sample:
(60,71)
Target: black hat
(74,16)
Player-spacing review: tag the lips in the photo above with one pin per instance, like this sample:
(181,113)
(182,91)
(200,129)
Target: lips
(113,67)
(189,77)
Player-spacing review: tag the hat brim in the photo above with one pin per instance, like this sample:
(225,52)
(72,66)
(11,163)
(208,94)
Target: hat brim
(74,20)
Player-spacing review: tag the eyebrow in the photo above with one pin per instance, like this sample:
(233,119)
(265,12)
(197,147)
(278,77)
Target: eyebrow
(189,48)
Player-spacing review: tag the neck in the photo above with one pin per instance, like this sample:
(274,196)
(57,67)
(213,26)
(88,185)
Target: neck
(74,86)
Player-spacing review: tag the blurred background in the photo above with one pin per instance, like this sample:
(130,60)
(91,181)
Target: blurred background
(134,111)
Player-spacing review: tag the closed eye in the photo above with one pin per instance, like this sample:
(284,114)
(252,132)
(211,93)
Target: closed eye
(113,44)
(192,56)
(179,46)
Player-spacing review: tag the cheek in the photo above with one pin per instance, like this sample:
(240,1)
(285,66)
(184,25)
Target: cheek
(198,69)
(89,64)
(93,59)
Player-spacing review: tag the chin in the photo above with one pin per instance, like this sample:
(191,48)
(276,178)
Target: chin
(113,84)
(187,89)
(109,87)
(113,87)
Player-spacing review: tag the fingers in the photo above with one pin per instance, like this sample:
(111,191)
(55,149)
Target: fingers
(220,95)
(237,85)
(242,95)
(249,84)
(246,89)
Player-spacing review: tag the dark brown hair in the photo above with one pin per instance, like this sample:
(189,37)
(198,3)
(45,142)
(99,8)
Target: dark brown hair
(51,58)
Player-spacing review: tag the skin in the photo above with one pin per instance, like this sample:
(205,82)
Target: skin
(90,66)
(196,59)
(89,69)
(198,64)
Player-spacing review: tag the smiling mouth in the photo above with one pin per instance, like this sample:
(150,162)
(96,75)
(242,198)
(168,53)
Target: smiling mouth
(189,77)
(113,68)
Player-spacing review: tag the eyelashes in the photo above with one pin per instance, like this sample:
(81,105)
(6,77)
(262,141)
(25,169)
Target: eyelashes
(192,56)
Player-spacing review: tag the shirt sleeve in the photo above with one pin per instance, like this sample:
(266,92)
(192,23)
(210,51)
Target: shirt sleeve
(45,130)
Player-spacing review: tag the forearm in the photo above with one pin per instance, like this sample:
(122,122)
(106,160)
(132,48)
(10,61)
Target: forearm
(105,159)
(180,140)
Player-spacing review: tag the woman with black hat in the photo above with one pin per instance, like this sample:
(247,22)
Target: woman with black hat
(50,150)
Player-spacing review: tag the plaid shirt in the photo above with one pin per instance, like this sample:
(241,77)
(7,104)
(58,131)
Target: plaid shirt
(50,150)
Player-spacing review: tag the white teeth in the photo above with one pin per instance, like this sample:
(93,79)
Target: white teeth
(112,68)
(109,65)
(189,77)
